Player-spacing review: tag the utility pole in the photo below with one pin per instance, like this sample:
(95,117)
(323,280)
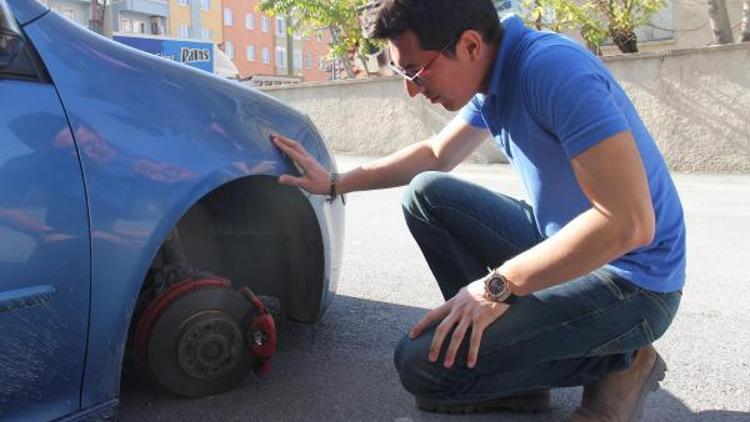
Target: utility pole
(289,46)
(107,18)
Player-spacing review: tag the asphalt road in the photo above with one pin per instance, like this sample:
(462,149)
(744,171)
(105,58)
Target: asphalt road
(340,369)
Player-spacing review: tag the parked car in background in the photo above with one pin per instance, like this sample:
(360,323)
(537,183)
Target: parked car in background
(139,211)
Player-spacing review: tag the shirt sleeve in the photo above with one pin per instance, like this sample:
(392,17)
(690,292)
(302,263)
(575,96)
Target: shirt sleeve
(571,97)
(472,112)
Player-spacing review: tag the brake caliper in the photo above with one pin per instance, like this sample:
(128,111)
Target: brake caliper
(260,332)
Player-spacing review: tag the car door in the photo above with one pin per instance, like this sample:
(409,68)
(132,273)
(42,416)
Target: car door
(44,241)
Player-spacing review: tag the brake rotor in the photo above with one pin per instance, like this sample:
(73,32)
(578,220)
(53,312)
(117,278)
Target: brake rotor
(154,309)
(196,346)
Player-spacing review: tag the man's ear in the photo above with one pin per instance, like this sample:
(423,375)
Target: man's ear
(470,45)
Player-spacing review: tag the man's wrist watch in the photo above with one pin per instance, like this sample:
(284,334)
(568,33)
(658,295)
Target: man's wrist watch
(497,288)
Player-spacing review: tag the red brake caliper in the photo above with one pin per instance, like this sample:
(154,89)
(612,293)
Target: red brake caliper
(261,332)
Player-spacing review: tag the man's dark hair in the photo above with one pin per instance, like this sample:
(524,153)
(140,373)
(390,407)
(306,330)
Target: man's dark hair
(435,22)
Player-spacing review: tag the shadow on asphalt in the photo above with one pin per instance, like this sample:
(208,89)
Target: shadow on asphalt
(341,369)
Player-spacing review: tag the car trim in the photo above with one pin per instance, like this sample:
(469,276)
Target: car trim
(13,300)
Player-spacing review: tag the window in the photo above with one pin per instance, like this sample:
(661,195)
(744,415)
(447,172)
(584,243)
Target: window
(206,34)
(140,27)
(250,53)
(280,57)
(228,17)
(265,23)
(308,61)
(125,25)
(319,36)
(229,49)
(280,26)
(184,2)
(206,5)
(249,21)
(266,56)
(297,59)
(157,28)
(184,31)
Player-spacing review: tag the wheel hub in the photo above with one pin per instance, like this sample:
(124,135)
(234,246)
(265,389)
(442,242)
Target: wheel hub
(209,345)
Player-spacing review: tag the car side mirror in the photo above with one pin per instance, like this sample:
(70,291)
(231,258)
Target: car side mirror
(11,39)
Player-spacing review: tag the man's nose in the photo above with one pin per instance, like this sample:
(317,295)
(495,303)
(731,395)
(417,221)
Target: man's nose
(412,89)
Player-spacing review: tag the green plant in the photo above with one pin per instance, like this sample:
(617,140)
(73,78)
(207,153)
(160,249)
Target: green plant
(339,17)
(596,20)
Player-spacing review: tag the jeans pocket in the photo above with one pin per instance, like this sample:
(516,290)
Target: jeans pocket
(634,338)
(608,279)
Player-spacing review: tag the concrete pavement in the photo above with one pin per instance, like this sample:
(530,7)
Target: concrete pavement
(341,368)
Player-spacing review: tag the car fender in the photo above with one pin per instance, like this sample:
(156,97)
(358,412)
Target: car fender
(154,138)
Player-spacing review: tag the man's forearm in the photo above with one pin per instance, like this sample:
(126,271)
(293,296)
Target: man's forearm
(588,242)
(393,170)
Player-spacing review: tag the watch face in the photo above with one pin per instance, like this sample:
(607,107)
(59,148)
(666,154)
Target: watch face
(496,286)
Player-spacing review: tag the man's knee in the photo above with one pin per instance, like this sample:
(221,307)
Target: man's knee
(411,361)
(418,375)
(422,187)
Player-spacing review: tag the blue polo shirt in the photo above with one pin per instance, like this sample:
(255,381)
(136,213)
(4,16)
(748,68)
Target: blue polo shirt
(550,99)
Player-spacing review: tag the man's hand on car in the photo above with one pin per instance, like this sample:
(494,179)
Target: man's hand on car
(313,177)
(467,309)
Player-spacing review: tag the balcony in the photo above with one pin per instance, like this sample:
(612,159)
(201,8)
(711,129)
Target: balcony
(147,7)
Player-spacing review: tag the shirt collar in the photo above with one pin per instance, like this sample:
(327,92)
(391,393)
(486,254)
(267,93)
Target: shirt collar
(513,31)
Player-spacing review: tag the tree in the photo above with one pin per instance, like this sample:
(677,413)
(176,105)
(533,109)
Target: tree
(596,20)
(559,15)
(719,18)
(745,37)
(339,17)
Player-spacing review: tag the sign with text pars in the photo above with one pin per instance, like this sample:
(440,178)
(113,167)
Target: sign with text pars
(192,53)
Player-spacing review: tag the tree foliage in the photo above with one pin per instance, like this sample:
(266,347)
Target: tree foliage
(596,20)
(340,17)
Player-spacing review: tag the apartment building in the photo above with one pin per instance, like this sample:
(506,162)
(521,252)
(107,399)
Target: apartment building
(78,11)
(316,64)
(147,17)
(260,45)
(248,37)
(196,19)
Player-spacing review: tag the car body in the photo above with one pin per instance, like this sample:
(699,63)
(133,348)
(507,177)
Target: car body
(105,152)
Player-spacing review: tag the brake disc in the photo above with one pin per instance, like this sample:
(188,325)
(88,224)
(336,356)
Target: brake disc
(197,346)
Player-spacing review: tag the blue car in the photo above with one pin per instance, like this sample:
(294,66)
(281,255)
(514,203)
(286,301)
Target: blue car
(139,218)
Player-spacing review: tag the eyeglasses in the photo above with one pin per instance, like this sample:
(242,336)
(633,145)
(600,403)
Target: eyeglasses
(416,78)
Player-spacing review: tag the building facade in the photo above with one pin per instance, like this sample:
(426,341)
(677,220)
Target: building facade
(196,19)
(248,37)
(78,11)
(316,63)
(262,46)
(148,17)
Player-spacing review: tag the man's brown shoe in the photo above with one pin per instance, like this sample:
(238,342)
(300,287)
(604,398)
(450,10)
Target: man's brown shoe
(619,396)
(531,402)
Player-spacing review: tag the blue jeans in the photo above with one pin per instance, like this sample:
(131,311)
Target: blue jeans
(567,335)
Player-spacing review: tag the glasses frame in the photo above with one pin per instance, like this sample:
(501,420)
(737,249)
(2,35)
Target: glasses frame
(416,78)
